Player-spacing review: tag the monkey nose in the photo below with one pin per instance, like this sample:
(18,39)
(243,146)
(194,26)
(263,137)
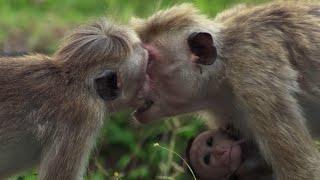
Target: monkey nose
(151,51)
(218,151)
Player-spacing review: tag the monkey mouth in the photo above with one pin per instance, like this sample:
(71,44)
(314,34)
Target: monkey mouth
(139,112)
(145,106)
(144,93)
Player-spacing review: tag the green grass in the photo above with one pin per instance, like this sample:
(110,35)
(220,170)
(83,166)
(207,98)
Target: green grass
(122,151)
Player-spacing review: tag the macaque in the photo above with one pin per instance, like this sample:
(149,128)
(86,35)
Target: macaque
(257,68)
(217,155)
(52,108)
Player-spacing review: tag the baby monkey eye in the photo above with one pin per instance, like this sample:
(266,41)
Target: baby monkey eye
(206,159)
(210,141)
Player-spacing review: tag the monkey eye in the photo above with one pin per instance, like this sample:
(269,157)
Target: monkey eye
(210,141)
(206,159)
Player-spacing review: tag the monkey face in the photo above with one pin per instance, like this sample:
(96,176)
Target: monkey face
(182,66)
(109,59)
(213,155)
(119,88)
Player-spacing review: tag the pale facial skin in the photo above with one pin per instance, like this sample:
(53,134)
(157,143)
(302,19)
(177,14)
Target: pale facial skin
(179,80)
(213,155)
(130,79)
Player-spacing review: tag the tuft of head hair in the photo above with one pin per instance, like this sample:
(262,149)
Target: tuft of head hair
(174,18)
(96,42)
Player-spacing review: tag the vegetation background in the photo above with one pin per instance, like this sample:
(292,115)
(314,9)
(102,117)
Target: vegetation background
(122,151)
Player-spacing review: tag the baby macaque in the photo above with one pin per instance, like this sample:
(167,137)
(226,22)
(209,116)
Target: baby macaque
(219,155)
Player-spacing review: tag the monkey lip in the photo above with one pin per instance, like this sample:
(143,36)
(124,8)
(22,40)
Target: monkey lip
(143,108)
(226,158)
(146,105)
(230,158)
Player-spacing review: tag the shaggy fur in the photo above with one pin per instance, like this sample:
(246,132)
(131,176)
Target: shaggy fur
(50,112)
(265,79)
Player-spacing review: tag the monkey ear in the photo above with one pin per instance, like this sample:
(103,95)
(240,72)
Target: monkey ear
(202,45)
(106,85)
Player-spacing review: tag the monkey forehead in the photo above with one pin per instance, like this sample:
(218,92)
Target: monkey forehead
(201,139)
(215,133)
(108,28)
(133,36)
(98,41)
(207,133)
(122,35)
(175,18)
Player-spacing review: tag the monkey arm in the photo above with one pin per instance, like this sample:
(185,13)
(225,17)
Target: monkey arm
(273,117)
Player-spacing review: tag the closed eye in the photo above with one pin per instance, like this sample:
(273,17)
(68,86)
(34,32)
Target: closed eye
(206,159)
(210,141)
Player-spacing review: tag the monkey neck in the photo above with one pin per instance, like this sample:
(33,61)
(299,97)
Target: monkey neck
(221,100)
(224,107)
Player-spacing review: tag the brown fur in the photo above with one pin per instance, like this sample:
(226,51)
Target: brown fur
(265,79)
(50,112)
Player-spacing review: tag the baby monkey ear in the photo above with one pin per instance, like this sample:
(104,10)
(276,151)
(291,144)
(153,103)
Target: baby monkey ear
(106,85)
(201,44)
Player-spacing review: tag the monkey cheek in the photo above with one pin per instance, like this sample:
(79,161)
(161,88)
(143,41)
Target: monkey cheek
(235,159)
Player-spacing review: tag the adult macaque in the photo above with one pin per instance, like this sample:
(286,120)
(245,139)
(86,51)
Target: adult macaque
(51,108)
(217,155)
(257,68)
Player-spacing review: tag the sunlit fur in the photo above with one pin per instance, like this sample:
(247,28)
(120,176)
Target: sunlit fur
(50,112)
(267,69)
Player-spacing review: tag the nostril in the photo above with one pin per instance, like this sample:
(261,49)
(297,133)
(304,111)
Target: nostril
(218,151)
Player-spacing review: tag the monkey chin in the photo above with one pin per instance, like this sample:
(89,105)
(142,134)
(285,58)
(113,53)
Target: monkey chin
(145,102)
(139,113)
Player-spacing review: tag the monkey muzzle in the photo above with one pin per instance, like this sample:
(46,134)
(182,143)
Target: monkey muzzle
(138,113)
(141,111)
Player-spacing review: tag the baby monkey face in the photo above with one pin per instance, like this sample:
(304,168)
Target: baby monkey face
(214,155)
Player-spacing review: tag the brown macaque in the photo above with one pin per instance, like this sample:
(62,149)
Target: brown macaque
(217,155)
(257,68)
(52,108)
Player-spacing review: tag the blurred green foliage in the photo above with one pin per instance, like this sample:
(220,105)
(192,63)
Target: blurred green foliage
(122,151)
(37,25)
